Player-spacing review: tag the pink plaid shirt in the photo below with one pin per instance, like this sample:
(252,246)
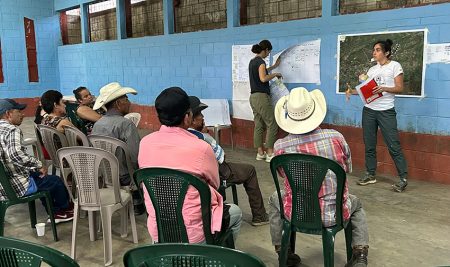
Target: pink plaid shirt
(326,143)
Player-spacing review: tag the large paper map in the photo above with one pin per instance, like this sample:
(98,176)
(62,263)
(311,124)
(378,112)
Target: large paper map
(300,63)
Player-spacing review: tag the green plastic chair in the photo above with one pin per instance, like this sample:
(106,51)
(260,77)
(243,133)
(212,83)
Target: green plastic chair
(12,199)
(305,174)
(71,111)
(167,190)
(20,253)
(192,255)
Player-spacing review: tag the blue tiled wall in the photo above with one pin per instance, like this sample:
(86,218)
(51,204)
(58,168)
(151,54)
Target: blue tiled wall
(200,62)
(14,56)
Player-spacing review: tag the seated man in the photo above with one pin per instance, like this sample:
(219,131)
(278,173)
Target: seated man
(230,172)
(27,174)
(300,113)
(176,148)
(114,97)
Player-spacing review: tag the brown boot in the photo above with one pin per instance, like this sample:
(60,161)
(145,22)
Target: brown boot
(359,257)
(292,258)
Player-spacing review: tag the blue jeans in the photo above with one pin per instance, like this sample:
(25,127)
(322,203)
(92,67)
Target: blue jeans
(235,219)
(386,120)
(55,186)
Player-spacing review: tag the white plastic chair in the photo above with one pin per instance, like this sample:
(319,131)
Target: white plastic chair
(134,117)
(114,146)
(85,165)
(74,136)
(52,140)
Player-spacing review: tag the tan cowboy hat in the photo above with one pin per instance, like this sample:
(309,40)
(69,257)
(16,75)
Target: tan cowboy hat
(110,92)
(301,111)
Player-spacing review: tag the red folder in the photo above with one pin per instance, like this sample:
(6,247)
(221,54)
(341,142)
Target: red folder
(365,91)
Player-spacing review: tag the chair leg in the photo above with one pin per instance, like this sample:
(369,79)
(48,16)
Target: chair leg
(124,221)
(32,211)
(49,204)
(348,240)
(328,248)
(235,195)
(132,222)
(3,208)
(74,231)
(106,215)
(92,226)
(282,258)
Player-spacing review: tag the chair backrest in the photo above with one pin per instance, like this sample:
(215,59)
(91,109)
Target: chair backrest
(194,255)
(167,189)
(305,174)
(74,136)
(71,111)
(15,252)
(85,164)
(52,140)
(217,113)
(6,184)
(114,146)
(134,117)
(39,142)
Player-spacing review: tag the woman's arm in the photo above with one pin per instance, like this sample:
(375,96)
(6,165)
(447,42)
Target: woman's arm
(87,113)
(277,63)
(398,87)
(266,77)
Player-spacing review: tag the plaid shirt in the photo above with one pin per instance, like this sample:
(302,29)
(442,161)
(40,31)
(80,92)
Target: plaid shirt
(14,158)
(326,143)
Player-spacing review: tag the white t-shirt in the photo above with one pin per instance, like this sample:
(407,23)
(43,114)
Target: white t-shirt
(384,76)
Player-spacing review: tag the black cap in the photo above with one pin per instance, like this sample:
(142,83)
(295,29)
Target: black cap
(196,105)
(171,106)
(8,104)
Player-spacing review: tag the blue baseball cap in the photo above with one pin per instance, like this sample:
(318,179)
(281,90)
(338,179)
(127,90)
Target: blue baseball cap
(8,104)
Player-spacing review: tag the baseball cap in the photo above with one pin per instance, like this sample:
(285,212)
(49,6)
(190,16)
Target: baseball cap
(8,104)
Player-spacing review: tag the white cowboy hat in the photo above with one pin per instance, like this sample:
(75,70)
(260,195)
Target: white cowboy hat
(110,92)
(301,111)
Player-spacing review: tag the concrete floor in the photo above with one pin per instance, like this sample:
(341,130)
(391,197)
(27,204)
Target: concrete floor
(406,229)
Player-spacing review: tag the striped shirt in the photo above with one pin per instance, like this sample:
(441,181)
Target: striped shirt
(17,163)
(218,150)
(326,143)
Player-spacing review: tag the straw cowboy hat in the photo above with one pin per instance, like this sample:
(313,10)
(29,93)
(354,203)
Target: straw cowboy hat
(301,111)
(110,92)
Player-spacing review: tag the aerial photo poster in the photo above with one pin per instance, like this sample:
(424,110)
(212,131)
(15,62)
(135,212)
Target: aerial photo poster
(355,58)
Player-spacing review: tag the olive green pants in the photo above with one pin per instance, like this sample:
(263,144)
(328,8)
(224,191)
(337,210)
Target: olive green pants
(264,120)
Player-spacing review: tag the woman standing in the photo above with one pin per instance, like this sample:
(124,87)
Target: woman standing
(260,100)
(388,75)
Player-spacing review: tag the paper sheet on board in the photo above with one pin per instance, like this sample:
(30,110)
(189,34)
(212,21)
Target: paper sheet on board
(300,63)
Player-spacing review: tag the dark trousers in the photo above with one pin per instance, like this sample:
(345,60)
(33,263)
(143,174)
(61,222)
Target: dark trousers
(57,189)
(240,173)
(387,121)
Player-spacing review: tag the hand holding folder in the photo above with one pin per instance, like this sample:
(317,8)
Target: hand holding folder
(365,91)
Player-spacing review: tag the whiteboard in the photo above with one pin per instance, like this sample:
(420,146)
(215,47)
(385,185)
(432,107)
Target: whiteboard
(300,63)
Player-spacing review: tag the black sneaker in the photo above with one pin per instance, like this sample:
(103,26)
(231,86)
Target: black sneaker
(293,259)
(400,186)
(359,257)
(367,179)
(262,220)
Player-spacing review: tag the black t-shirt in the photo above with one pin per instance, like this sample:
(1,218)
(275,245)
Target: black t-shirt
(255,83)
